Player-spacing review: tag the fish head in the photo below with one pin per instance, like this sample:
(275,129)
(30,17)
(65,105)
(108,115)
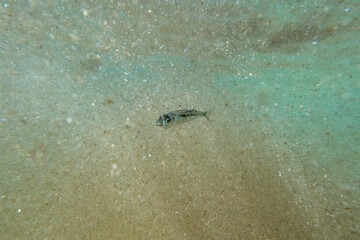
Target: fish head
(163,121)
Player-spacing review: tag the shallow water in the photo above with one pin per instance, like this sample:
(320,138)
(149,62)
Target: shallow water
(82,85)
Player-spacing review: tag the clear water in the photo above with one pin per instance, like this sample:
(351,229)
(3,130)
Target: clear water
(83,82)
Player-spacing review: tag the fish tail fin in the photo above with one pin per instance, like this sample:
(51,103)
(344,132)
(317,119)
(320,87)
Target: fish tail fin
(207,113)
(207,118)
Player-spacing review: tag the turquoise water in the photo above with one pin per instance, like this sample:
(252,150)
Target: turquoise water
(83,83)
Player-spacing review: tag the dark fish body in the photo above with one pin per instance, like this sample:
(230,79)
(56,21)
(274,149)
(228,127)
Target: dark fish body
(179,115)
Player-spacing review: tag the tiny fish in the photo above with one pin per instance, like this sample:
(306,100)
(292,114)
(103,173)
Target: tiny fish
(179,115)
